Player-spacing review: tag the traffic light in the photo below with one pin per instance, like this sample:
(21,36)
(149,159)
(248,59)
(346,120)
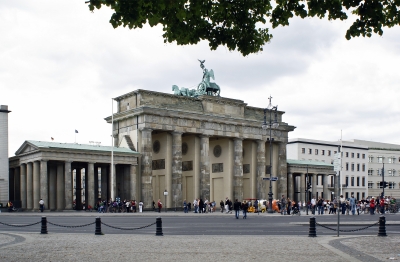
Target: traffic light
(308,186)
(385,184)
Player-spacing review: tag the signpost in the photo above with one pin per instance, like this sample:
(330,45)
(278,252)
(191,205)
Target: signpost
(274,178)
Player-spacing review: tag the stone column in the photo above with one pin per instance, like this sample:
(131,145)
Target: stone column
(23,185)
(290,185)
(132,183)
(60,187)
(17,182)
(238,169)
(146,167)
(204,167)
(282,171)
(303,187)
(261,185)
(29,186)
(325,186)
(44,183)
(68,185)
(78,188)
(90,185)
(314,185)
(104,183)
(52,188)
(96,184)
(11,191)
(36,185)
(177,168)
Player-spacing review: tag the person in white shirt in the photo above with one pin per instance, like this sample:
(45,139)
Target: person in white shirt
(41,204)
(140,206)
(313,205)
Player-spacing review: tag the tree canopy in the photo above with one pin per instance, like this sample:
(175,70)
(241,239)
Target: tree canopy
(242,24)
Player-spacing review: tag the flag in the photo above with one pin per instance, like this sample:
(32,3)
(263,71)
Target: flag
(76,131)
(52,139)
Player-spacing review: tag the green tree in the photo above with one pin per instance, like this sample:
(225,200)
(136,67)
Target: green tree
(242,24)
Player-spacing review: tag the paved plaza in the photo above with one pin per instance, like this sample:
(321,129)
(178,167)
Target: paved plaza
(23,246)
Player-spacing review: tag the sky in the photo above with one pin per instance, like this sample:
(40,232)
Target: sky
(61,65)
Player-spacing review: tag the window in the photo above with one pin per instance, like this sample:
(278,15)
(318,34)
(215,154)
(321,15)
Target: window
(316,151)
(379,185)
(335,152)
(352,181)
(391,185)
(309,151)
(391,160)
(363,195)
(347,154)
(363,167)
(370,159)
(370,171)
(347,166)
(352,155)
(363,182)
(363,156)
(378,172)
(358,181)
(127,106)
(347,195)
(352,166)
(370,184)
(358,155)
(323,152)
(358,167)
(390,172)
(380,159)
(358,195)
(347,181)
(303,150)
(329,153)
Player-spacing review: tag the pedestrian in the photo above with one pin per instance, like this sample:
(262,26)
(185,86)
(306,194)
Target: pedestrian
(185,207)
(159,204)
(283,205)
(154,205)
(352,202)
(245,206)
(342,203)
(256,207)
(221,205)
(372,206)
(10,206)
(289,206)
(140,206)
(320,206)
(382,205)
(41,204)
(236,207)
(313,205)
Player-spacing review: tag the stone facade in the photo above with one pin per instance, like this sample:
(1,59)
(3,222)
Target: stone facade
(54,172)
(223,138)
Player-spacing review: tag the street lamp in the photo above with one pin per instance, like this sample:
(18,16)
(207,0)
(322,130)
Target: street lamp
(271,124)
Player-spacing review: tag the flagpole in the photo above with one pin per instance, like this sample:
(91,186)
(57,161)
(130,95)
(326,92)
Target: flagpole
(112,149)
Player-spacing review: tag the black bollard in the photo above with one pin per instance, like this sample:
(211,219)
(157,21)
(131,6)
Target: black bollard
(44,226)
(98,227)
(159,227)
(312,232)
(382,227)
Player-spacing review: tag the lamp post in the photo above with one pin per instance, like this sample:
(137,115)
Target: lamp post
(270,125)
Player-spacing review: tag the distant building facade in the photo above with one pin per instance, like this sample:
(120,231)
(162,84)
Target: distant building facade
(354,166)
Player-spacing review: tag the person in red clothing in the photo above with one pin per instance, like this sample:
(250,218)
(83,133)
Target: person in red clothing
(372,206)
(382,205)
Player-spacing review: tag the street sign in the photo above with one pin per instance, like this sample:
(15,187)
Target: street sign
(337,162)
(274,178)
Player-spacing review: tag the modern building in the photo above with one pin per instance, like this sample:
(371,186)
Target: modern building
(4,182)
(354,166)
(386,156)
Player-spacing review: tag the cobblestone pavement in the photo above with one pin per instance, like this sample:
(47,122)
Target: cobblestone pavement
(90,247)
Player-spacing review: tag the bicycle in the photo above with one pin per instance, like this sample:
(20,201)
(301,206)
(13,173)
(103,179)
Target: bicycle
(296,211)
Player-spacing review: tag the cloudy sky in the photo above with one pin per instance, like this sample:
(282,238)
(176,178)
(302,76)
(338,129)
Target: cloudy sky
(60,65)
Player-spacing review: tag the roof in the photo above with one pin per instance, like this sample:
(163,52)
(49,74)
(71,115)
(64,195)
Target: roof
(307,162)
(73,146)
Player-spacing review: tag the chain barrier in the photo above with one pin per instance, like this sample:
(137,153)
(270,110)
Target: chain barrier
(350,230)
(121,228)
(70,226)
(10,225)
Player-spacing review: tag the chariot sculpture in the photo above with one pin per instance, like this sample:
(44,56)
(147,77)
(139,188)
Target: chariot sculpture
(204,88)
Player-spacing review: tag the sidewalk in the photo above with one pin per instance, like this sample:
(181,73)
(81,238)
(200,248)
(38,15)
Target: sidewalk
(111,247)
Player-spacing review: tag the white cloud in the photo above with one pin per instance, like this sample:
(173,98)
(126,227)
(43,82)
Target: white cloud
(61,65)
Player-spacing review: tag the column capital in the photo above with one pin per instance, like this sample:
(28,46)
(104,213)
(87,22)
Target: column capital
(204,136)
(146,129)
(238,138)
(177,133)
